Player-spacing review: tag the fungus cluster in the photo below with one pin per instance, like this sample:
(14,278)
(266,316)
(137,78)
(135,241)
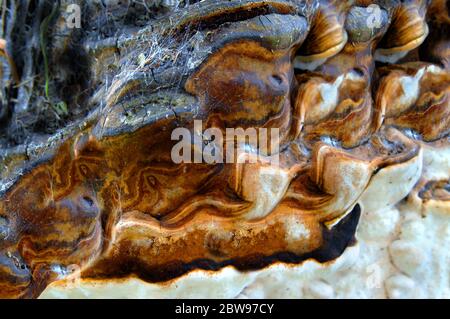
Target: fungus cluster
(360,91)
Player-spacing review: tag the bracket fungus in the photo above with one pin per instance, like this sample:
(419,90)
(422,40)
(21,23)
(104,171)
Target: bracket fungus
(360,108)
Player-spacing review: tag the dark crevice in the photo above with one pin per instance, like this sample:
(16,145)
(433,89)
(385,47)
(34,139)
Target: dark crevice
(234,14)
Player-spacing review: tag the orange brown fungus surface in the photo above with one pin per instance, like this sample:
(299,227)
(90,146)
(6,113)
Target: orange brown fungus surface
(110,200)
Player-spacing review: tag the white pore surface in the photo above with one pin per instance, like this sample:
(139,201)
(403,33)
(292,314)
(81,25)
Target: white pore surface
(402,252)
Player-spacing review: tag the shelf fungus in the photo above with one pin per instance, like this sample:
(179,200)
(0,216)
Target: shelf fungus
(361,110)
